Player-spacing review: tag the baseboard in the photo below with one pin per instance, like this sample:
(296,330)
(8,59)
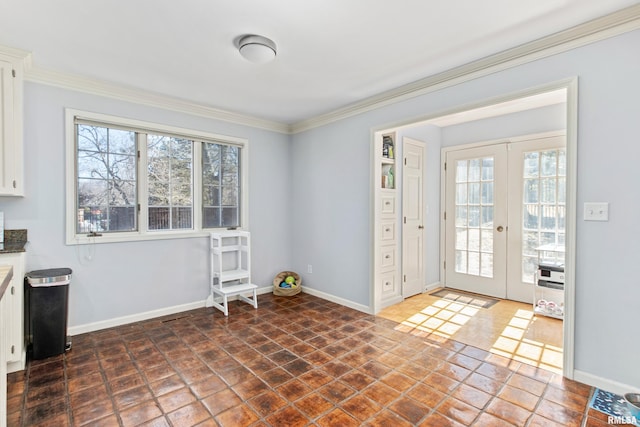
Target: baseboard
(19,365)
(603,383)
(337,300)
(390,301)
(431,286)
(118,321)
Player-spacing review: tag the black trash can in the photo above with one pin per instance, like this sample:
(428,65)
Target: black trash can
(46,310)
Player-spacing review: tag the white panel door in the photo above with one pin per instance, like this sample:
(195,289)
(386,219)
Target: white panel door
(413,274)
(476,220)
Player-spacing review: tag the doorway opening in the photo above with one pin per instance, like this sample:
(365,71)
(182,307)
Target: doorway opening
(512,122)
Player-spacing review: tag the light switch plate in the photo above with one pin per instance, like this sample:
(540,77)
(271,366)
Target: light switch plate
(596,211)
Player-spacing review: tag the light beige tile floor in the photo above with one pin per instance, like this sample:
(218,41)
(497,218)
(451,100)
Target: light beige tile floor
(508,328)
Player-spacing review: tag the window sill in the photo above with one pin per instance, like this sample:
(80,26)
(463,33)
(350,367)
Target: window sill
(84,239)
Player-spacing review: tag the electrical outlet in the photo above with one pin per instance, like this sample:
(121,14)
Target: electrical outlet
(596,211)
(309,269)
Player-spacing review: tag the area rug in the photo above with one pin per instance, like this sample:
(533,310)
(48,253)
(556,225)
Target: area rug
(616,407)
(465,298)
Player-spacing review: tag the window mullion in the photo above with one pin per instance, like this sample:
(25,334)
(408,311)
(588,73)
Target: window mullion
(143,184)
(196,177)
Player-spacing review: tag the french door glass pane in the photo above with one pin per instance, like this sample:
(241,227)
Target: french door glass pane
(461,194)
(461,171)
(474,216)
(486,240)
(486,261)
(531,165)
(461,238)
(487,216)
(548,163)
(544,211)
(473,243)
(461,216)
(474,263)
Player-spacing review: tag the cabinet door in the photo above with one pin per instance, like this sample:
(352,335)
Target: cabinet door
(14,309)
(3,363)
(10,134)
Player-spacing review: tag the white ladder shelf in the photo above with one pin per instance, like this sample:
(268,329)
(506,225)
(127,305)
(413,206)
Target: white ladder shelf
(230,253)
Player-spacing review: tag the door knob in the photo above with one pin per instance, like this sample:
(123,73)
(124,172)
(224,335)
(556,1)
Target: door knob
(420,227)
(500,228)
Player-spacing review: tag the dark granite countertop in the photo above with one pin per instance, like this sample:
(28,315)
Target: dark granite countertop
(14,241)
(10,248)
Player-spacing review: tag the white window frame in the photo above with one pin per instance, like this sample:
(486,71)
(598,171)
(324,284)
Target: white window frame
(74,238)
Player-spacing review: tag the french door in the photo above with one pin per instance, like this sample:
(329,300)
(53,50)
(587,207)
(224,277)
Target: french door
(502,202)
(476,220)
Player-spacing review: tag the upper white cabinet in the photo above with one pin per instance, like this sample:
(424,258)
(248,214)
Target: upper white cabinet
(11,145)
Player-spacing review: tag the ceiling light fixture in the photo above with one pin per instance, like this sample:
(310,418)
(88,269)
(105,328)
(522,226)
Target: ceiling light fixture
(257,49)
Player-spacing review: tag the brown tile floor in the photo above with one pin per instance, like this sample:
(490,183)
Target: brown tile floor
(295,361)
(507,328)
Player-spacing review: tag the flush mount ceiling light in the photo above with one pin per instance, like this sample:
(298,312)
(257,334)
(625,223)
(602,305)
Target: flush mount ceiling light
(257,49)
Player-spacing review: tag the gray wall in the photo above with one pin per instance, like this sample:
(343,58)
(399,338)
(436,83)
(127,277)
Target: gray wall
(538,120)
(332,185)
(123,279)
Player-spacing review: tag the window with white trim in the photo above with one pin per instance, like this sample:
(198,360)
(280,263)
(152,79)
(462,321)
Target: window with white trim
(134,180)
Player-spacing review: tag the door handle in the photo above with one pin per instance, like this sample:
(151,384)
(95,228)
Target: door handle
(420,227)
(500,229)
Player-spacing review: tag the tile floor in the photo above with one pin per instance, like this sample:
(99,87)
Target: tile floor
(295,361)
(508,328)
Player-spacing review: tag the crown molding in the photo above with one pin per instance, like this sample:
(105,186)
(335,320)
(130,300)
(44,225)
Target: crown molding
(617,23)
(138,96)
(611,25)
(18,55)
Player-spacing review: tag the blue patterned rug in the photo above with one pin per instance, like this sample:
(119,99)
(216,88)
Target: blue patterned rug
(619,411)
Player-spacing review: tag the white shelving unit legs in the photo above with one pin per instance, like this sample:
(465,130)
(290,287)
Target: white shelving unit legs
(231,269)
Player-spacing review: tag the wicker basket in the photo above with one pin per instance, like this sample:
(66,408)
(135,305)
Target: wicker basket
(286,292)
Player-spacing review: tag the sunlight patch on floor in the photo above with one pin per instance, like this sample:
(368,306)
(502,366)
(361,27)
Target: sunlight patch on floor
(508,328)
(442,319)
(512,344)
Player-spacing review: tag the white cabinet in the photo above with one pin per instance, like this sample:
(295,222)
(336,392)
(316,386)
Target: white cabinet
(230,253)
(4,273)
(13,332)
(11,113)
(386,249)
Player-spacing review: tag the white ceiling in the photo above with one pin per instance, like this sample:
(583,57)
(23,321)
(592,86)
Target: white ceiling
(331,53)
